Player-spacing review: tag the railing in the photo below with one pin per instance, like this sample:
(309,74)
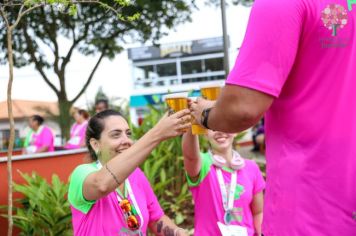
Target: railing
(61,163)
(3,153)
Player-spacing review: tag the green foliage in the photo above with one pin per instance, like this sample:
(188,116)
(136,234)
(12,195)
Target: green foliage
(116,103)
(246,3)
(44,209)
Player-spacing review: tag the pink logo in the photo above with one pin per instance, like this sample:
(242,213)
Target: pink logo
(334,17)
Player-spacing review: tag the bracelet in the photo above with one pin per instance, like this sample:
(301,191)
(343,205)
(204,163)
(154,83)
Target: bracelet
(177,230)
(205,117)
(112,174)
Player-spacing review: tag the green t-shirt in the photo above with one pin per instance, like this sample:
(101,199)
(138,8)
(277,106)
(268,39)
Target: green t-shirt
(206,164)
(75,192)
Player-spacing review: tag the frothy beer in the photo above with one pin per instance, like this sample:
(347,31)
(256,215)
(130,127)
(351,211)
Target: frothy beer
(196,128)
(211,92)
(177,101)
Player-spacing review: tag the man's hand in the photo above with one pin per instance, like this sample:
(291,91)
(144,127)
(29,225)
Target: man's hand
(197,107)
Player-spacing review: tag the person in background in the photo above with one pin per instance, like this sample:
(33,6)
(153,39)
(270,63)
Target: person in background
(258,136)
(41,139)
(209,176)
(111,195)
(101,105)
(78,129)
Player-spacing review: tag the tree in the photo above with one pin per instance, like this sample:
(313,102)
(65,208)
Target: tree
(223,4)
(11,13)
(93,31)
(246,3)
(119,104)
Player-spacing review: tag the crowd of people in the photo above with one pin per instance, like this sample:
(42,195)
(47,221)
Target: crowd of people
(40,138)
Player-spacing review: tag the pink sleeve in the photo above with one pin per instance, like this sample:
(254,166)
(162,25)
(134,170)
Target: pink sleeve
(270,45)
(259,183)
(72,129)
(154,209)
(47,137)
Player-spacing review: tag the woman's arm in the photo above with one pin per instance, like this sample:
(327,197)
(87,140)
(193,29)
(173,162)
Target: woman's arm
(166,227)
(191,153)
(115,171)
(257,212)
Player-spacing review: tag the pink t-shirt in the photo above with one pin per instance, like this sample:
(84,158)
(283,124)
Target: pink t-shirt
(208,205)
(43,137)
(104,217)
(303,52)
(77,135)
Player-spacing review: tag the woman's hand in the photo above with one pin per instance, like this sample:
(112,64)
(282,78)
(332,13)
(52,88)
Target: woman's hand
(173,125)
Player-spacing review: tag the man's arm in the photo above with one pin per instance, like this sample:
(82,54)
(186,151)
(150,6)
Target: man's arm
(237,109)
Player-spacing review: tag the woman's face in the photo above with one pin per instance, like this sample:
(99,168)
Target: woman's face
(77,117)
(33,124)
(220,141)
(115,138)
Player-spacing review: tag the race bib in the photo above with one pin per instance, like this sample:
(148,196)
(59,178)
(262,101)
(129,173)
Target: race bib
(31,149)
(74,140)
(232,230)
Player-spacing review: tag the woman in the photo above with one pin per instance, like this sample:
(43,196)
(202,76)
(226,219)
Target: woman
(231,209)
(111,196)
(40,138)
(77,131)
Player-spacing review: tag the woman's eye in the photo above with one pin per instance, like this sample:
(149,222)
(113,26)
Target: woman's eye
(116,135)
(129,134)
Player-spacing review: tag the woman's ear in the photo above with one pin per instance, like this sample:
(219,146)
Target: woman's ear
(94,144)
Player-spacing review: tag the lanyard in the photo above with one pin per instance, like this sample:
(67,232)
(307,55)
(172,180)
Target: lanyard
(133,199)
(228,200)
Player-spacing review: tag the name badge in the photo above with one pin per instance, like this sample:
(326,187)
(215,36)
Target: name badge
(74,140)
(31,149)
(232,230)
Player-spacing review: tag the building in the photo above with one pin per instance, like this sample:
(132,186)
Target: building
(175,67)
(22,110)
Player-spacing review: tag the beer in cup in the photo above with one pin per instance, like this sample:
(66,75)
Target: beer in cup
(197,129)
(176,101)
(211,91)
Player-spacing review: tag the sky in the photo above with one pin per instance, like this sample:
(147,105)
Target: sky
(115,76)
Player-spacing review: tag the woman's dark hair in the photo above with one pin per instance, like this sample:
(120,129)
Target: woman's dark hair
(96,125)
(38,118)
(104,101)
(83,113)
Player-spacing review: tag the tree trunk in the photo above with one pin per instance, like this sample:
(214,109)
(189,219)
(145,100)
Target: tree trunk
(12,129)
(64,116)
